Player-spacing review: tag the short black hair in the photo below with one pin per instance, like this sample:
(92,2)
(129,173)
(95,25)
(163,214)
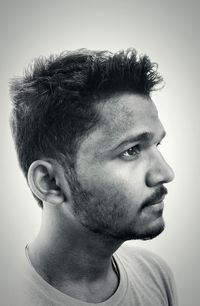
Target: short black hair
(54,102)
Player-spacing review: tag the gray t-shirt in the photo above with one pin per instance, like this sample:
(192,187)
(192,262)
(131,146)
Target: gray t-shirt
(145,280)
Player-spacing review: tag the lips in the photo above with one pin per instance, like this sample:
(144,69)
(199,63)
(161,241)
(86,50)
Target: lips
(156,202)
(157,197)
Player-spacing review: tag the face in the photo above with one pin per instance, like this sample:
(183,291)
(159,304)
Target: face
(121,173)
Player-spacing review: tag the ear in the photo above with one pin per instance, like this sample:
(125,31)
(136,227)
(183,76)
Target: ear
(44,180)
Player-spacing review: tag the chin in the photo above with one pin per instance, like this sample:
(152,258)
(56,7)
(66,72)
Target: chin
(149,233)
(152,235)
(152,232)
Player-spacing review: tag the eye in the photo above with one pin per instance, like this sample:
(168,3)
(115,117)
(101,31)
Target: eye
(131,153)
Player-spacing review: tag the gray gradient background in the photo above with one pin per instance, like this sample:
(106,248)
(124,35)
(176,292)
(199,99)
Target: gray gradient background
(168,31)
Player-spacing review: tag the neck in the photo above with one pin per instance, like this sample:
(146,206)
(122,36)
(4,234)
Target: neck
(71,253)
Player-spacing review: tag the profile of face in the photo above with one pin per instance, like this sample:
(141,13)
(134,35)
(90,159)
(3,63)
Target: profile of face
(121,173)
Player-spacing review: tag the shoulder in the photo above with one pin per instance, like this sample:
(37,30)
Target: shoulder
(148,272)
(142,257)
(146,264)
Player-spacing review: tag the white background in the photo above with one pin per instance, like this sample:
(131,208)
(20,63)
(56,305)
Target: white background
(168,31)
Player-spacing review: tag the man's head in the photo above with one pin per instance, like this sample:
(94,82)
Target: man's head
(88,112)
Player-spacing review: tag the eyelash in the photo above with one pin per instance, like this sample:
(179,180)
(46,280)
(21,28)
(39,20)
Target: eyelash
(136,151)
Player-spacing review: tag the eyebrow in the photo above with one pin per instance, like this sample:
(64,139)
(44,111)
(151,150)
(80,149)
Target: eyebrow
(143,137)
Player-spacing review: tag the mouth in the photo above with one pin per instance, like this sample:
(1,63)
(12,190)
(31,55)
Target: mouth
(160,200)
(157,198)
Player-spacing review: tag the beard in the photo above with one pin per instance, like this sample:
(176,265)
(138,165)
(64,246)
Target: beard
(106,214)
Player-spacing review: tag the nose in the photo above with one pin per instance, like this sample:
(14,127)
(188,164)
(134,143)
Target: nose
(159,171)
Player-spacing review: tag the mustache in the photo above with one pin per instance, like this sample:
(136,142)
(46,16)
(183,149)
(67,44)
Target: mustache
(156,197)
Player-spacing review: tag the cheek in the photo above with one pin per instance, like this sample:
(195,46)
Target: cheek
(130,175)
(117,177)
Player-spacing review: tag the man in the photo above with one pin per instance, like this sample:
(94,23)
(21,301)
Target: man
(87,136)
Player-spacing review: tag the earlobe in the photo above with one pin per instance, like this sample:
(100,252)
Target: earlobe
(43,182)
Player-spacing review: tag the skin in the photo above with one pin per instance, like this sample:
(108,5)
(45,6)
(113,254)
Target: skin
(120,175)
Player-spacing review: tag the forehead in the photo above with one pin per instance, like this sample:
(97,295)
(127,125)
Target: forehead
(120,117)
(126,111)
